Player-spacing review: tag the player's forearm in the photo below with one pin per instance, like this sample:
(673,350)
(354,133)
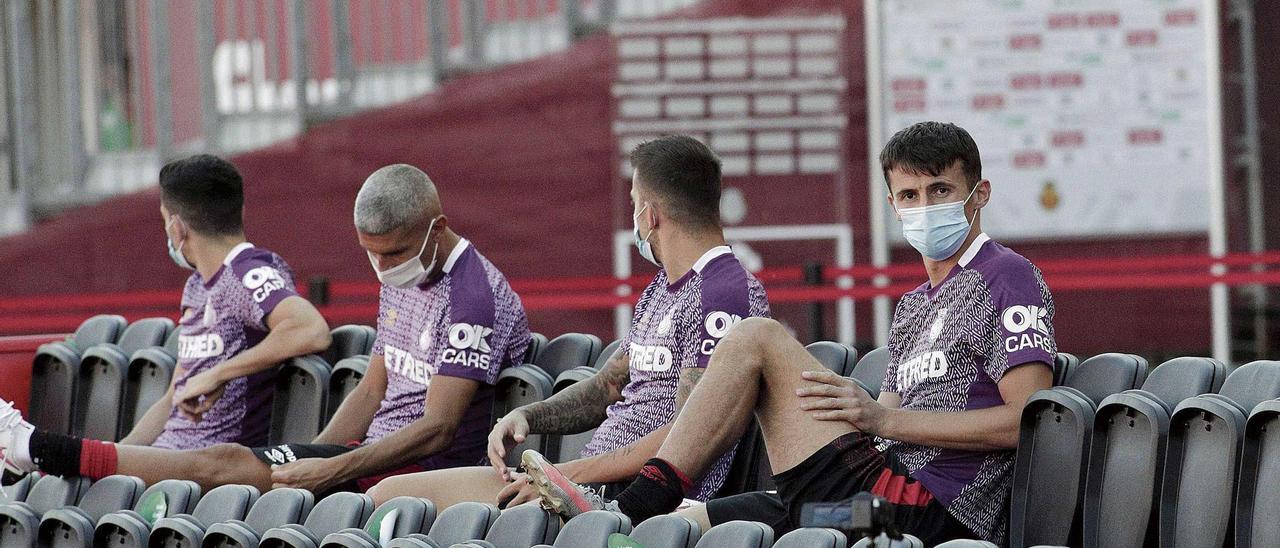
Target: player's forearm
(621,464)
(575,409)
(420,439)
(149,427)
(993,428)
(352,419)
(291,338)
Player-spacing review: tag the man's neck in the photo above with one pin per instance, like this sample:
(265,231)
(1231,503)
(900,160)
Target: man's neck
(938,270)
(680,251)
(209,252)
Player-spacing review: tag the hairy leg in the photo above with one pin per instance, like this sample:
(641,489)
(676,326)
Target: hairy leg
(756,368)
(210,467)
(445,487)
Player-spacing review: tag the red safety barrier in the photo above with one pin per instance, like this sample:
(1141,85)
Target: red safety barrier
(356,302)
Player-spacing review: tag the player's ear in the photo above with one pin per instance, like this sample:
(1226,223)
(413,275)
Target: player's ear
(442,222)
(982,194)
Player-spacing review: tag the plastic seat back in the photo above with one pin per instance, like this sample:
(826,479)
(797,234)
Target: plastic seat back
(607,353)
(349,340)
(568,351)
(738,534)
(834,356)
(1049,468)
(667,531)
(523,526)
(1107,374)
(872,368)
(300,407)
(463,522)
(343,381)
(1257,505)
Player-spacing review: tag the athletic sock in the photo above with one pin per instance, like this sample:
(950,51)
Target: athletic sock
(63,455)
(658,490)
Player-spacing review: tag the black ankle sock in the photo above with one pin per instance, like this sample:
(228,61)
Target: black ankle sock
(55,454)
(658,489)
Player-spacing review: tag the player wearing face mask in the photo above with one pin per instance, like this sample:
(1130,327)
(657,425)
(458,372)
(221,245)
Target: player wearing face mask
(447,324)
(698,294)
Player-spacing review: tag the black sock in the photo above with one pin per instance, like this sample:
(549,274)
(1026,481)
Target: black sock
(56,454)
(658,490)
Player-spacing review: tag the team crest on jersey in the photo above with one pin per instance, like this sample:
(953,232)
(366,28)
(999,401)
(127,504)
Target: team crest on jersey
(1028,327)
(210,314)
(263,281)
(938,323)
(391,317)
(664,326)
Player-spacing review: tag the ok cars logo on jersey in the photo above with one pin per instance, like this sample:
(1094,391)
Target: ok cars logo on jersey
(1028,328)
(929,365)
(262,281)
(468,346)
(717,325)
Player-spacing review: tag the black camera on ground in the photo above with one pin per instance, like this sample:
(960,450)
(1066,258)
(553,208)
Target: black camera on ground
(862,516)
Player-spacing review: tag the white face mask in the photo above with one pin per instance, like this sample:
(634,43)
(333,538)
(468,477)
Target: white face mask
(642,244)
(411,272)
(936,231)
(175,253)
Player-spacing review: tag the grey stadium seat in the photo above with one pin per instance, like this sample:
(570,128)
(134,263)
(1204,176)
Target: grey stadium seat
(17,491)
(537,341)
(332,514)
(811,537)
(523,526)
(462,522)
(19,521)
(590,530)
(519,386)
(275,508)
(346,376)
(1257,505)
(967,544)
(566,447)
(1049,467)
(837,357)
(72,526)
(1126,457)
(300,407)
(171,343)
(607,353)
(56,368)
(1205,443)
(132,528)
(1063,365)
(1107,374)
(668,531)
(349,340)
(907,541)
(396,518)
(871,369)
(738,534)
(147,380)
(102,374)
(225,503)
(568,351)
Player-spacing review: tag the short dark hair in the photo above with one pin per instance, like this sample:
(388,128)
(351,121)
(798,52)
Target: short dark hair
(206,191)
(930,148)
(685,174)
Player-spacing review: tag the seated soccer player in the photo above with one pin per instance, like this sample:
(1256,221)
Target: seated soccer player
(447,324)
(967,349)
(700,291)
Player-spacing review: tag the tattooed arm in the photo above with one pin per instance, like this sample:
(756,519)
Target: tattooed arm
(625,462)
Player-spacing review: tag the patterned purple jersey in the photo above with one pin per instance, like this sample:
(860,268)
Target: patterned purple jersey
(949,346)
(676,326)
(468,323)
(223,317)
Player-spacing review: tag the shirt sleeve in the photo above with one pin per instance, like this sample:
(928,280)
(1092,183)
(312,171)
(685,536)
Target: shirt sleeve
(267,284)
(726,300)
(468,352)
(379,344)
(890,382)
(1023,322)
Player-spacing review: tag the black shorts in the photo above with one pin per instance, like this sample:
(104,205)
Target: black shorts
(289,452)
(848,465)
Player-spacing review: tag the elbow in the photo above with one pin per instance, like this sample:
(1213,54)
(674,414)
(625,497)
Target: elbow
(436,436)
(318,339)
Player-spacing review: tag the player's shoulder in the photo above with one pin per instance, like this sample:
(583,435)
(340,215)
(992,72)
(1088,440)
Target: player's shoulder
(473,280)
(998,263)
(724,278)
(250,258)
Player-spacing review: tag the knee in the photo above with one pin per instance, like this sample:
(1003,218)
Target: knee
(754,331)
(383,491)
(221,464)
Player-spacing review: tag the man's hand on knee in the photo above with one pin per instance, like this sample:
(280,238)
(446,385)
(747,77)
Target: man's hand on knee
(836,398)
(518,492)
(314,475)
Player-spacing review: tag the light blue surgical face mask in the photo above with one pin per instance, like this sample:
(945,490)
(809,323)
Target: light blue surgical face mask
(642,243)
(936,231)
(175,253)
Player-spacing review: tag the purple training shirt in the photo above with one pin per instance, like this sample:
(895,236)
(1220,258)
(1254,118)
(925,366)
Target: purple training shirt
(676,326)
(949,346)
(467,323)
(222,317)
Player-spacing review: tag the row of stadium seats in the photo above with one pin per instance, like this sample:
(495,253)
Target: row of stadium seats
(116,511)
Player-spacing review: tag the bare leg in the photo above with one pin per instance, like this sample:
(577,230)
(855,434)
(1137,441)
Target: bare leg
(697,513)
(210,467)
(756,367)
(445,488)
